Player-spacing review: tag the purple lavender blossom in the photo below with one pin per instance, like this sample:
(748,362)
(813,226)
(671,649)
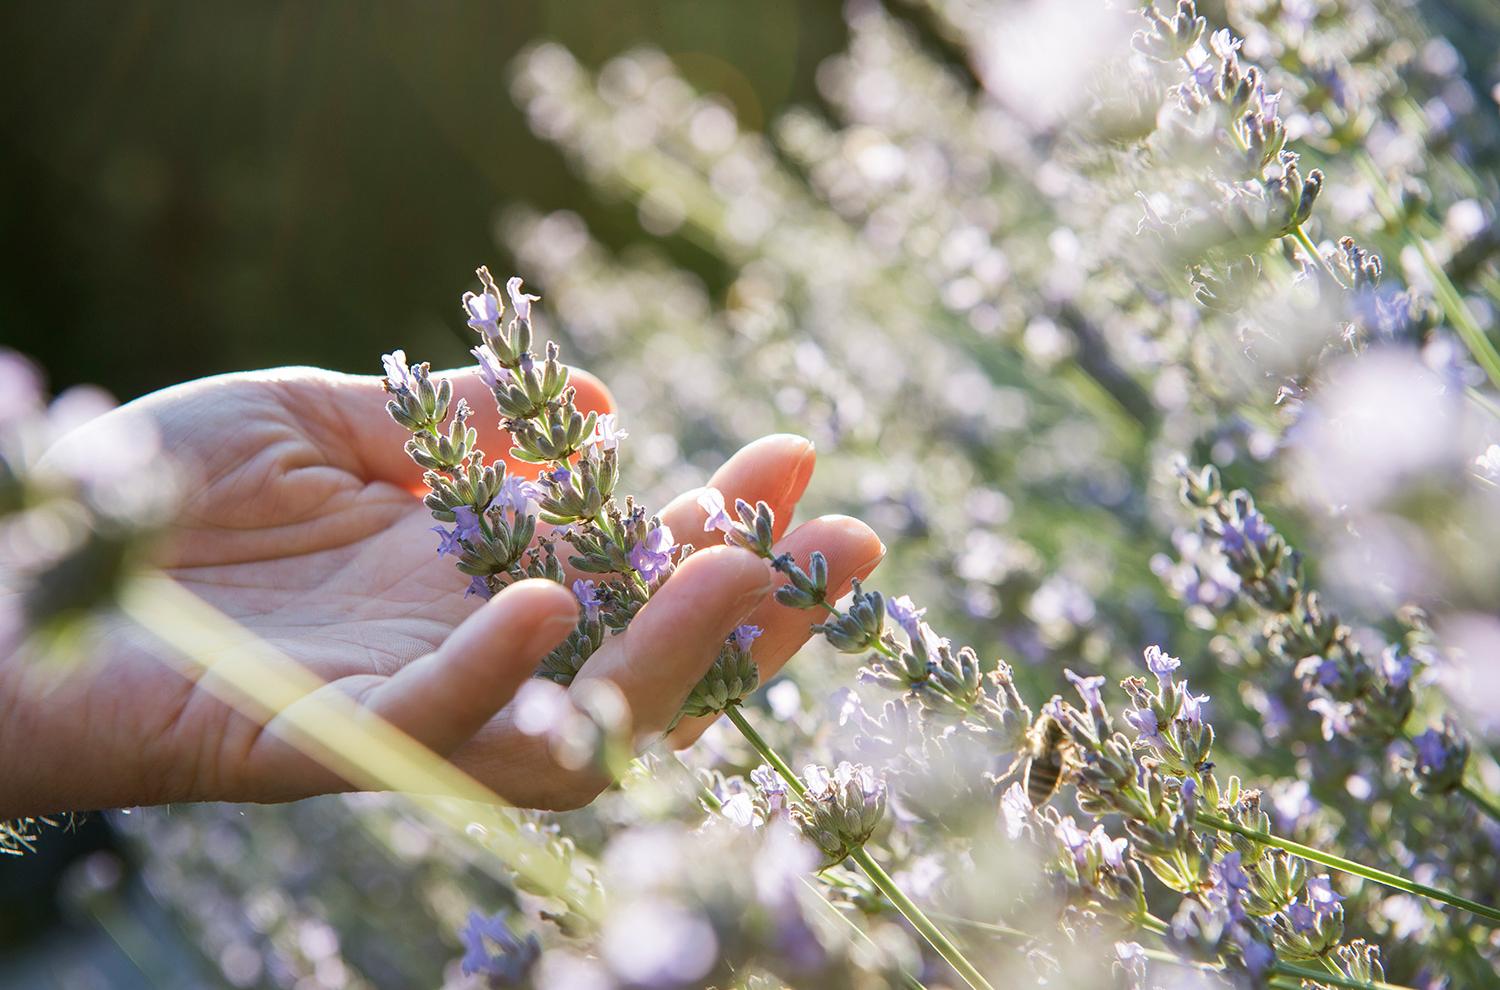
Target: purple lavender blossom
(560,475)
(520,301)
(1160,664)
(1322,896)
(904,612)
(1432,751)
(1015,806)
(491,371)
(1302,917)
(1230,883)
(479,586)
(511,959)
(772,788)
(447,541)
(1251,530)
(1111,851)
(1073,839)
(1192,707)
(1335,716)
(652,556)
(745,635)
(1190,797)
(466,523)
(1257,956)
(607,433)
(484,312)
(516,494)
(1143,720)
(1328,674)
(712,502)
(1397,667)
(587,593)
(1088,688)
(397,373)
(1132,959)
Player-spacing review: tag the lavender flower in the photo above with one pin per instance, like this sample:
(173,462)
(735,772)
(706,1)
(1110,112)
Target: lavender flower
(516,494)
(904,612)
(466,524)
(519,301)
(607,433)
(745,635)
(1073,839)
(587,593)
(1160,664)
(491,371)
(1335,715)
(652,556)
(484,312)
(840,810)
(712,502)
(1111,851)
(492,950)
(1322,896)
(1088,687)
(1017,810)
(397,373)
(1132,959)
(1192,707)
(480,587)
(447,541)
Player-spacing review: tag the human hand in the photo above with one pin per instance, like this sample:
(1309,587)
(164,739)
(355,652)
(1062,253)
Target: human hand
(304,523)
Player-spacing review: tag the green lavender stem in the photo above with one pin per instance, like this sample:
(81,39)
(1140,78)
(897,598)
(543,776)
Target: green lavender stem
(1481,800)
(1349,866)
(1443,289)
(1312,249)
(881,879)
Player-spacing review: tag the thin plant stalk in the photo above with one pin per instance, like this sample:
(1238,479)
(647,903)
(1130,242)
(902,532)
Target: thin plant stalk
(1349,866)
(877,874)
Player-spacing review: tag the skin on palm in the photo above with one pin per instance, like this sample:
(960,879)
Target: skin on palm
(302,520)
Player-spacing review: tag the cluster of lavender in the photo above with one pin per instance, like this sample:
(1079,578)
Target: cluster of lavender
(1248,907)
(1356,696)
(495,513)
(950,234)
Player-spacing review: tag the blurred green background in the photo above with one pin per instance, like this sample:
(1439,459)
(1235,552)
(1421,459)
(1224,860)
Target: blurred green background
(195,188)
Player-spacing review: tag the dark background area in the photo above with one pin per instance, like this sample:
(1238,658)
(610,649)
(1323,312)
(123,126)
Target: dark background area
(195,188)
(189,188)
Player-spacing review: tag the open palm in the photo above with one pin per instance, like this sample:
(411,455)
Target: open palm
(303,521)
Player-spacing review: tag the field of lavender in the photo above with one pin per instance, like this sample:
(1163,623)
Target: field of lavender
(1158,349)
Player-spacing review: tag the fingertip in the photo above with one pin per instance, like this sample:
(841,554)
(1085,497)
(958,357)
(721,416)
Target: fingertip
(735,566)
(549,608)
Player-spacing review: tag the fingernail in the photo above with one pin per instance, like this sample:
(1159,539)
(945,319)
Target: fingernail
(801,474)
(545,637)
(863,570)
